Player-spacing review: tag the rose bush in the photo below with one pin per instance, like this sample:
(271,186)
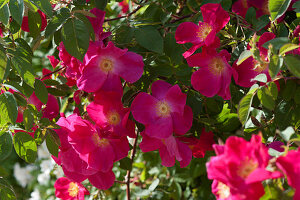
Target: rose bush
(140,99)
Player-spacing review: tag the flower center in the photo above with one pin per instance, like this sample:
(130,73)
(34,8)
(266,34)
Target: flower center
(223,190)
(106,65)
(98,141)
(114,118)
(73,189)
(163,109)
(217,66)
(246,168)
(204,30)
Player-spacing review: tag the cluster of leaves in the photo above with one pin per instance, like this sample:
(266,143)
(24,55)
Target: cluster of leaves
(149,30)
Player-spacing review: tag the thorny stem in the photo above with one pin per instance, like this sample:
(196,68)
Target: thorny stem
(129,171)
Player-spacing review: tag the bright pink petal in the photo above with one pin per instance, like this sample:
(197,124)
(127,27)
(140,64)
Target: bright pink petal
(206,82)
(176,99)
(244,73)
(186,154)
(130,67)
(187,32)
(182,123)
(92,77)
(102,158)
(121,148)
(102,181)
(161,128)
(143,108)
(166,159)
(192,50)
(160,88)
(52,108)
(112,83)
(129,126)
(265,37)
(74,176)
(149,143)
(215,15)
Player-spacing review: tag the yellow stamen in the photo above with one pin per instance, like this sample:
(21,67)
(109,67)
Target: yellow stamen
(106,65)
(163,109)
(73,189)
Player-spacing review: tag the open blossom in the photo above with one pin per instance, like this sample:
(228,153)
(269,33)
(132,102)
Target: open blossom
(163,113)
(239,168)
(214,75)
(250,68)
(73,166)
(97,147)
(214,19)
(108,112)
(290,166)
(104,68)
(170,149)
(69,190)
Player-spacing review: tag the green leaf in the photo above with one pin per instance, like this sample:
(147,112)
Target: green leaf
(28,119)
(273,89)
(16,8)
(101,4)
(287,47)
(75,38)
(275,65)
(6,191)
(57,21)
(288,90)
(8,108)
(3,3)
(293,64)
(34,23)
(245,104)
(52,142)
(5,145)
(124,35)
(4,14)
(172,49)
(44,6)
(278,7)
(260,78)
(25,146)
(149,38)
(3,64)
(296,6)
(87,23)
(283,114)
(244,55)
(265,97)
(277,43)
(126,163)
(21,60)
(41,91)
(297,95)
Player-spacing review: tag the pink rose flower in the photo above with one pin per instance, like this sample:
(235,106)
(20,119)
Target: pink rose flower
(214,75)
(69,190)
(164,112)
(214,19)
